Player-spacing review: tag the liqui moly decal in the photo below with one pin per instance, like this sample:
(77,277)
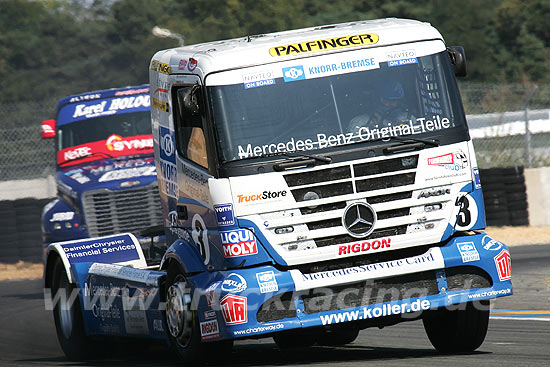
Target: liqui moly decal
(234,309)
(503,264)
(240,242)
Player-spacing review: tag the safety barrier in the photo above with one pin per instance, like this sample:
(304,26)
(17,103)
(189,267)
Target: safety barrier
(505,196)
(20,233)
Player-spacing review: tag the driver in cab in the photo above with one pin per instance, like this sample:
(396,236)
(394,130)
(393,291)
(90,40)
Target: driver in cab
(389,107)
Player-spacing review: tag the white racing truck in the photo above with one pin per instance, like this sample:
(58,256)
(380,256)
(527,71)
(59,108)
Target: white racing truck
(314,183)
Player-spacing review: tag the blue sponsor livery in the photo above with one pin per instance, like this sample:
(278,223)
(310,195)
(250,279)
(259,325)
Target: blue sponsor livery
(108,250)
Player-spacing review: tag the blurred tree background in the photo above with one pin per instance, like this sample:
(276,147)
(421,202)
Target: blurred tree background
(53,48)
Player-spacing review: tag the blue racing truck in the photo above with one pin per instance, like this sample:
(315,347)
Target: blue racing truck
(105,172)
(315,183)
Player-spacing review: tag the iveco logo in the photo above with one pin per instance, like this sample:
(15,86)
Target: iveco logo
(359,219)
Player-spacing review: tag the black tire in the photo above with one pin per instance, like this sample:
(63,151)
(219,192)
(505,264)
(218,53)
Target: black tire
(340,336)
(508,180)
(517,205)
(460,330)
(488,194)
(183,323)
(68,318)
(489,180)
(293,339)
(516,196)
(496,201)
(519,214)
(515,188)
(512,171)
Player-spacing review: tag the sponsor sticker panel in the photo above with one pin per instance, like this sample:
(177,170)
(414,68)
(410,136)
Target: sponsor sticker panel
(433,259)
(490,244)
(234,309)
(324,44)
(167,163)
(504,265)
(468,251)
(209,330)
(119,249)
(224,214)
(267,281)
(234,283)
(239,242)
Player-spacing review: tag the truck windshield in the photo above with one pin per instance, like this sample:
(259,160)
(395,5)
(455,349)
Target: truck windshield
(327,102)
(115,135)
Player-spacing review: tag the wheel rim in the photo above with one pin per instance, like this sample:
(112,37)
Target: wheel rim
(178,313)
(64,309)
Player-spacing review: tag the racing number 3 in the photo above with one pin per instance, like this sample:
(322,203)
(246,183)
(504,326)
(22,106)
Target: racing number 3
(467,213)
(200,236)
(464,215)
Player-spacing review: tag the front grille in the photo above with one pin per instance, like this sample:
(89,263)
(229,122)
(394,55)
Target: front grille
(322,194)
(108,212)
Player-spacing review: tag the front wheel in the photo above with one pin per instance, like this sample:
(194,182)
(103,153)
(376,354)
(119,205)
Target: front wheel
(460,330)
(183,323)
(67,316)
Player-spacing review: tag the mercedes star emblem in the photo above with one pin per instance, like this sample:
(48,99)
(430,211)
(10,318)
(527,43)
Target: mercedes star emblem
(359,219)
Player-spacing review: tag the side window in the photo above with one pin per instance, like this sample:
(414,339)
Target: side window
(190,137)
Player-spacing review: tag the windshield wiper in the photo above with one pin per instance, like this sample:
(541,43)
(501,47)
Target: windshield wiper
(298,160)
(407,144)
(320,158)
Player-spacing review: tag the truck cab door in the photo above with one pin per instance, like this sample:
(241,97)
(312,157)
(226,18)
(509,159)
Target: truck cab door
(194,168)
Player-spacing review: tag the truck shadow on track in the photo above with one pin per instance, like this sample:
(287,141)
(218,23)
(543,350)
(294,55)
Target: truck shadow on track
(262,355)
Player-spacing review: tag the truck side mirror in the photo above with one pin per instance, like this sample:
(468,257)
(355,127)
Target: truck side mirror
(188,100)
(458,59)
(48,129)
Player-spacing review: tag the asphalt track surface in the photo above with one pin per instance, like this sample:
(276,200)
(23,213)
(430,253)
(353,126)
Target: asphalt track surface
(519,335)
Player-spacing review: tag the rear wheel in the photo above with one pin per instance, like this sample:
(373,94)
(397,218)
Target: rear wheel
(183,323)
(461,330)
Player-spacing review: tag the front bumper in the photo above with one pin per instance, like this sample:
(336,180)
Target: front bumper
(250,302)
